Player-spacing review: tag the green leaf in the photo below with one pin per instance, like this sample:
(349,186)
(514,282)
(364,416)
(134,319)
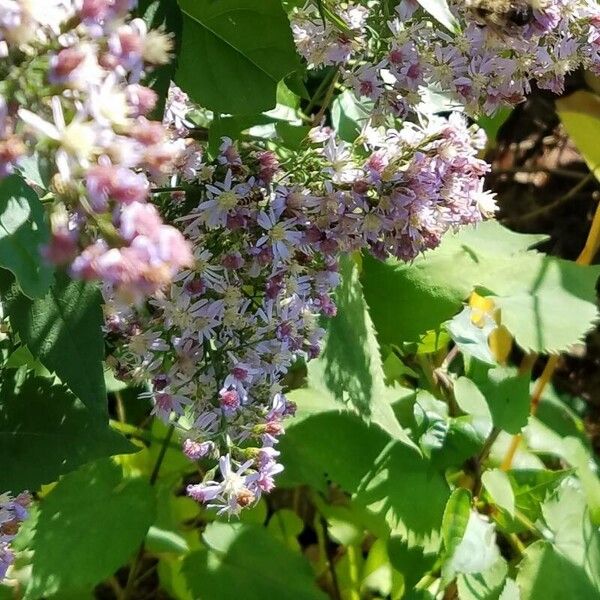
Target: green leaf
(471,401)
(411,561)
(403,309)
(492,124)
(497,485)
(243,560)
(439,10)
(316,448)
(547,303)
(569,566)
(488,585)
(553,306)
(88,526)
(349,367)
(580,115)
(348,115)
(162,540)
(234,53)
(411,495)
(507,395)
(532,487)
(48,432)
(476,552)
(456,517)
(546,574)
(23,229)
(64,331)
(577,455)
(470,339)
(286,525)
(575,537)
(36,170)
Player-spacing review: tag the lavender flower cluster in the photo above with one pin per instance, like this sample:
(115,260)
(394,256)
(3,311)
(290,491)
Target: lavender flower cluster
(13,511)
(71,91)
(480,67)
(267,238)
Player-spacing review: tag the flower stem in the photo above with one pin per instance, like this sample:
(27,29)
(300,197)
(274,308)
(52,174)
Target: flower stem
(131,579)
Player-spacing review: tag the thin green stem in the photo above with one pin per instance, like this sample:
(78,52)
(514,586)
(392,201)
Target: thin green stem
(131,579)
(328,98)
(324,85)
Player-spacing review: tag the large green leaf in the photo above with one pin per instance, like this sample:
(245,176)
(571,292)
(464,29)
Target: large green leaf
(23,229)
(88,526)
(349,367)
(64,331)
(244,561)
(546,574)
(547,303)
(411,561)
(409,493)
(234,52)
(575,536)
(46,432)
(569,566)
(320,438)
(506,392)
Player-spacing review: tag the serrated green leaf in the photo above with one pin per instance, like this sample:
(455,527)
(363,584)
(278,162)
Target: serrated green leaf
(47,432)
(555,307)
(547,303)
(397,485)
(316,448)
(64,331)
(88,526)
(234,53)
(243,560)
(411,561)
(349,367)
(23,229)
